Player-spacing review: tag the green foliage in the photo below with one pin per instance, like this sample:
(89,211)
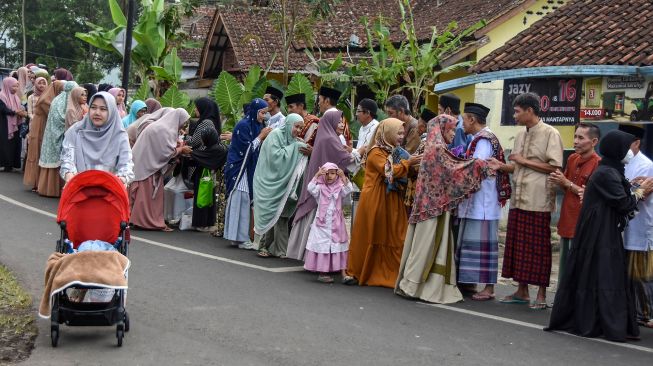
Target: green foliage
(253,86)
(386,63)
(143,92)
(87,72)
(175,98)
(171,70)
(227,92)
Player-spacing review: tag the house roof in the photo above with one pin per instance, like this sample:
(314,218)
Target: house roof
(255,41)
(197,28)
(582,32)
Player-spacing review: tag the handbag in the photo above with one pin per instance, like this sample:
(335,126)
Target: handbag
(205,189)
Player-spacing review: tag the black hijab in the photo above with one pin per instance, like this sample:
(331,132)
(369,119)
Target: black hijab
(104,87)
(91,90)
(208,110)
(614,147)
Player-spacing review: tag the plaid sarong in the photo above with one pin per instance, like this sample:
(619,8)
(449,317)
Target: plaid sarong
(527,256)
(477,252)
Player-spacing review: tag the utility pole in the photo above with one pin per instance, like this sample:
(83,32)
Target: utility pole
(126,60)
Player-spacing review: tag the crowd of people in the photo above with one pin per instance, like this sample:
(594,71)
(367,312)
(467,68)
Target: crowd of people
(426,193)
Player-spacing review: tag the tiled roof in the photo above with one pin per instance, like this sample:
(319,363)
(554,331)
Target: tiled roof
(198,29)
(254,39)
(583,32)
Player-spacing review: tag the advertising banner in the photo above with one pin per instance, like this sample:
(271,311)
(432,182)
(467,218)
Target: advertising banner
(559,99)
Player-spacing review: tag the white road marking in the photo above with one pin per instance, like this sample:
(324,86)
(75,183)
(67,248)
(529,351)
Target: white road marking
(534,326)
(167,246)
(298,269)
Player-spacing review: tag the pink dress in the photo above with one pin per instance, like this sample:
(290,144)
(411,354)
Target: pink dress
(323,253)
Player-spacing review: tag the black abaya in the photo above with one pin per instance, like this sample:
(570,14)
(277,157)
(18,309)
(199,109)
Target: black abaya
(594,297)
(9,148)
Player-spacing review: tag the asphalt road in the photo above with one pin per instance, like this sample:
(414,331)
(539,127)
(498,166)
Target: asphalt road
(193,300)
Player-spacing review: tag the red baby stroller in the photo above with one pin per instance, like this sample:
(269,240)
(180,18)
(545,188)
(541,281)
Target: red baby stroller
(93,206)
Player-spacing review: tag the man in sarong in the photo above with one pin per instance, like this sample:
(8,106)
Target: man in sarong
(297,104)
(580,166)
(477,250)
(537,153)
(638,236)
(450,104)
(273,98)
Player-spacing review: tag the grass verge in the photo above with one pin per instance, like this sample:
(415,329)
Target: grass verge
(17,324)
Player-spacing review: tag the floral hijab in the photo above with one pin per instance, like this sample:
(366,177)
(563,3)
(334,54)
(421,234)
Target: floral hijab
(444,180)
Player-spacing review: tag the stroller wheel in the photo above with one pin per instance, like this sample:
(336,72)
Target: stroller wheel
(126,322)
(120,334)
(54,336)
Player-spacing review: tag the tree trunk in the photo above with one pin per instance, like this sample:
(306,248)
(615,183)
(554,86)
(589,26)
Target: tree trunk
(24,35)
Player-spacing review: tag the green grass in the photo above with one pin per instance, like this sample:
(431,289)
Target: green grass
(16,314)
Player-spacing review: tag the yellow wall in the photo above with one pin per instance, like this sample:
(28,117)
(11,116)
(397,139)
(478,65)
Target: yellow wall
(491,94)
(465,94)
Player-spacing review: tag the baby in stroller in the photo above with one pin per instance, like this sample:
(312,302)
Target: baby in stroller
(86,278)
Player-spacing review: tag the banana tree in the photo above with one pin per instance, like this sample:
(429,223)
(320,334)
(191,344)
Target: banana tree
(231,94)
(156,31)
(382,71)
(424,60)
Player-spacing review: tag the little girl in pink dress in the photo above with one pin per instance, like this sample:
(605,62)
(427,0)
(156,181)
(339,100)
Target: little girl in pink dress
(328,242)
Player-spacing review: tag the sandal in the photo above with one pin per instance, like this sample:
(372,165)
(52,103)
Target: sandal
(482,297)
(325,279)
(167,229)
(264,254)
(513,299)
(349,280)
(537,305)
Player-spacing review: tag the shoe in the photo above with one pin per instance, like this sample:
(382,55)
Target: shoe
(325,279)
(349,280)
(204,229)
(248,245)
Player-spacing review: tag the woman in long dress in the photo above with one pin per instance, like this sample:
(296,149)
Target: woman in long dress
(98,142)
(154,148)
(49,183)
(36,131)
(380,223)
(327,148)
(239,173)
(76,107)
(12,115)
(119,95)
(208,153)
(427,269)
(594,297)
(279,171)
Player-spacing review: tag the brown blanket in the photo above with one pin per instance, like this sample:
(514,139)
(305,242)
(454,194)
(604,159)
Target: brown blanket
(89,268)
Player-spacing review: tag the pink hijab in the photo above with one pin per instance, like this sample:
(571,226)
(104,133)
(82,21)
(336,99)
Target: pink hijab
(12,101)
(121,106)
(331,192)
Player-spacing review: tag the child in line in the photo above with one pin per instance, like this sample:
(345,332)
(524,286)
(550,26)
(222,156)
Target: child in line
(328,242)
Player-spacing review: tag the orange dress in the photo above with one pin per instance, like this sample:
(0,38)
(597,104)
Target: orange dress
(379,229)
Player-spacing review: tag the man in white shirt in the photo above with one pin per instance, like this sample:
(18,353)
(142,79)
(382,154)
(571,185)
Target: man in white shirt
(638,236)
(273,98)
(327,99)
(477,250)
(366,115)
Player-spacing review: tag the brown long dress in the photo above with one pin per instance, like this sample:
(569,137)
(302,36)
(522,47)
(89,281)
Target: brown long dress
(36,131)
(380,225)
(147,211)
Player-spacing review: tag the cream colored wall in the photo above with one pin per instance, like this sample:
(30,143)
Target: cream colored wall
(491,94)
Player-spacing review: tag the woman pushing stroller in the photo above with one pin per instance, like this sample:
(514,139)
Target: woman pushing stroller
(98,142)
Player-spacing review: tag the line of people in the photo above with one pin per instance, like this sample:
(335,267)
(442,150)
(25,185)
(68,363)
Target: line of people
(431,191)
